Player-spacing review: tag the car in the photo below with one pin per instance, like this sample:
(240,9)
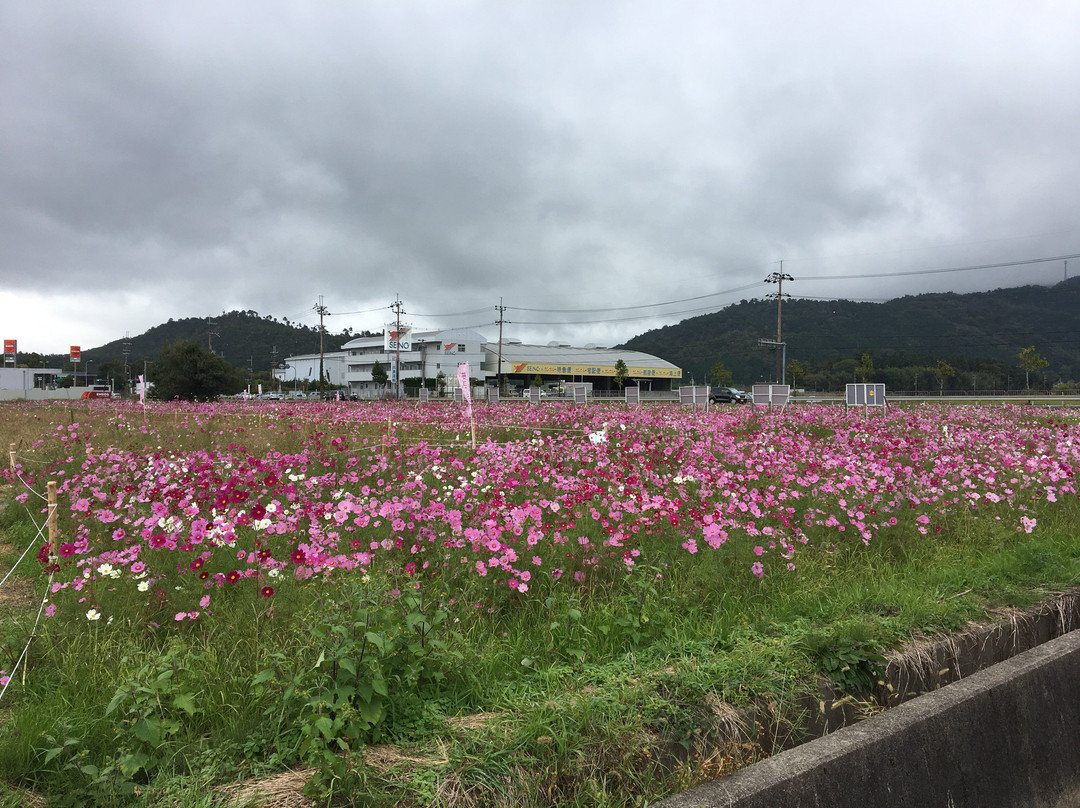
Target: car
(728,395)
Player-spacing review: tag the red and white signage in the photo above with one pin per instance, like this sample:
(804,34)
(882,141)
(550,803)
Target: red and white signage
(10,345)
(76,353)
(397,339)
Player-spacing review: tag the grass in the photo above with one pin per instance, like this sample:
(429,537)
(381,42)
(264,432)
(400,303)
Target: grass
(612,694)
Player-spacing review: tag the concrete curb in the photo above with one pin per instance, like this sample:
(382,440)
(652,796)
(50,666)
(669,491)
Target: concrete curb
(1006,736)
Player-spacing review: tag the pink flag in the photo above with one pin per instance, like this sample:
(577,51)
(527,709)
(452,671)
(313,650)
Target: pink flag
(463,383)
(142,389)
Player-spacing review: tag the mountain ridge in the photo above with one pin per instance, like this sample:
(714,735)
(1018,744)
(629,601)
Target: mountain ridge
(976,332)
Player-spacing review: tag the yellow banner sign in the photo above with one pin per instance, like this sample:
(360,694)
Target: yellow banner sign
(594,370)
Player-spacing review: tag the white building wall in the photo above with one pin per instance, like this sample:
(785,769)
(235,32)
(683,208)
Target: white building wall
(433,352)
(306,368)
(23,379)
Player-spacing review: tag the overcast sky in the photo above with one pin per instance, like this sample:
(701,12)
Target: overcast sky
(179,159)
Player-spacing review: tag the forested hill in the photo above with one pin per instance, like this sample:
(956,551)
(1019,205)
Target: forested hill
(981,333)
(242,338)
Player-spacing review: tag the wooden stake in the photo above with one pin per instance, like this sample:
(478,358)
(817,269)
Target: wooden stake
(54,534)
(11,457)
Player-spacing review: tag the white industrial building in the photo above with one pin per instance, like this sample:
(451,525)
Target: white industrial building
(34,384)
(429,354)
(305,368)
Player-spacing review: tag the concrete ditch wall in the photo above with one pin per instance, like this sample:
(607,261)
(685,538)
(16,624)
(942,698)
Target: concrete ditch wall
(1006,736)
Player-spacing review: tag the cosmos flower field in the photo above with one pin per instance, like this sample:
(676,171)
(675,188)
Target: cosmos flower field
(271,585)
(181,505)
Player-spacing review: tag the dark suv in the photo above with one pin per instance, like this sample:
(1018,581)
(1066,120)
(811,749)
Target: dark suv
(727,395)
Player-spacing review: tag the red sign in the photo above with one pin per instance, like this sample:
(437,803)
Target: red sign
(9,346)
(76,353)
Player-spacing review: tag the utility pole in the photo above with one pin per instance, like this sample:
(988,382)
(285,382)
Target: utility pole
(321,309)
(500,308)
(273,364)
(397,348)
(778,278)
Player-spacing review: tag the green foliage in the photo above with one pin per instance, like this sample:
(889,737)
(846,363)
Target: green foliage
(642,615)
(851,660)
(865,370)
(622,373)
(32,360)
(719,375)
(378,374)
(1029,362)
(148,712)
(795,371)
(943,371)
(370,662)
(188,371)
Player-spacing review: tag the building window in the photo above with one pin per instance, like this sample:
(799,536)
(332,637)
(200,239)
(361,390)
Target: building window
(461,347)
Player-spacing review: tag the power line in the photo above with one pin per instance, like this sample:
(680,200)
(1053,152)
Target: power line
(366,311)
(642,306)
(938,271)
(455,314)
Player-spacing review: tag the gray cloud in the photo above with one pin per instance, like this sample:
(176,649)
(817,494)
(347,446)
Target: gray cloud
(178,159)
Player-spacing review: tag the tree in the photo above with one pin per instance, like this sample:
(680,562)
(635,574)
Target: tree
(943,371)
(794,370)
(1029,361)
(622,373)
(186,370)
(719,375)
(32,360)
(866,367)
(378,374)
(112,372)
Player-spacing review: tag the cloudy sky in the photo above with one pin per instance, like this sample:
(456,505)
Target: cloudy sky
(581,161)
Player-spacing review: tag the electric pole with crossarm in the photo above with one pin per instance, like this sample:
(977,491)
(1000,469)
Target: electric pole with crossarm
(778,278)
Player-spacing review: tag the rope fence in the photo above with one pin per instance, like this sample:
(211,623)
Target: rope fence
(50,526)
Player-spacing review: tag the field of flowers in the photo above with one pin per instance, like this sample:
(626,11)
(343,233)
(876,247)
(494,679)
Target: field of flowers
(381,538)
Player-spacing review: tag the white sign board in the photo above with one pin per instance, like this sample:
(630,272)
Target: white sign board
(694,395)
(866,395)
(397,339)
(768,395)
